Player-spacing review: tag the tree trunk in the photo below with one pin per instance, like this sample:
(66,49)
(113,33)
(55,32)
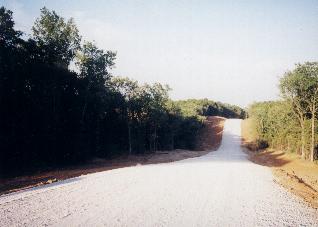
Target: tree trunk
(97,135)
(155,138)
(83,111)
(303,140)
(129,138)
(85,103)
(172,142)
(312,149)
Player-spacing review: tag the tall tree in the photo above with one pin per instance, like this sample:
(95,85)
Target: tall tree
(8,38)
(158,98)
(293,86)
(94,65)
(128,88)
(58,39)
(309,72)
(8,35)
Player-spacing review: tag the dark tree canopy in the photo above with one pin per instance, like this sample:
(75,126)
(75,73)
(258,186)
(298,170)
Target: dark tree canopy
(52,116)
(8,36)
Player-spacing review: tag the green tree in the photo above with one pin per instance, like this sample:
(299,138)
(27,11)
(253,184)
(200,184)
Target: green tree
(58,39)
(94,65)
(128,88)
(309,76)
(8,35)
(293,86)
(158,96)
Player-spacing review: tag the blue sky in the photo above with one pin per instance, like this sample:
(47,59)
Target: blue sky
(230,51)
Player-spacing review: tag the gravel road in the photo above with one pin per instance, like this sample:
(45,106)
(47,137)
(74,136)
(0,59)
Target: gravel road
(221,188)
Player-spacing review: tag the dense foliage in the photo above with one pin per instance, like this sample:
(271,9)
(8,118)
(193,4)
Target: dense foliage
(52,115)
(290,124)
(205,107)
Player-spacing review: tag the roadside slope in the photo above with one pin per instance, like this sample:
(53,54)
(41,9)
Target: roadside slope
(298,176)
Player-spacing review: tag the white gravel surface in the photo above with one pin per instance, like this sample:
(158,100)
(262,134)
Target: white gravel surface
(221,188)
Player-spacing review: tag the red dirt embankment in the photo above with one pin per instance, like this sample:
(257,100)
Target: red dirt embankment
(298,176)
(209,138)
(211,135)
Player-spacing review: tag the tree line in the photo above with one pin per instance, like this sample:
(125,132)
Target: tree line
(205,107)
(291,123)
(61,105)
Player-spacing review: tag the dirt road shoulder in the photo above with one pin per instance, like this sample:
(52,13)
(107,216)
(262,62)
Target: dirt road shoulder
(298,176)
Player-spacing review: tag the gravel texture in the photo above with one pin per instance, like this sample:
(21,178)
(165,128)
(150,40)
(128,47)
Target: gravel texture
(221,188)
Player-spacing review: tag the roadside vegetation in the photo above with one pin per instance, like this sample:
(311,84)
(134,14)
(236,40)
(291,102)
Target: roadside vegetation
(289,124)
(61,105)
(205,107)
(286,133)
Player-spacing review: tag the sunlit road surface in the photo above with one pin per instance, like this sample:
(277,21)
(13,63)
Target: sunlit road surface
(221,188)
